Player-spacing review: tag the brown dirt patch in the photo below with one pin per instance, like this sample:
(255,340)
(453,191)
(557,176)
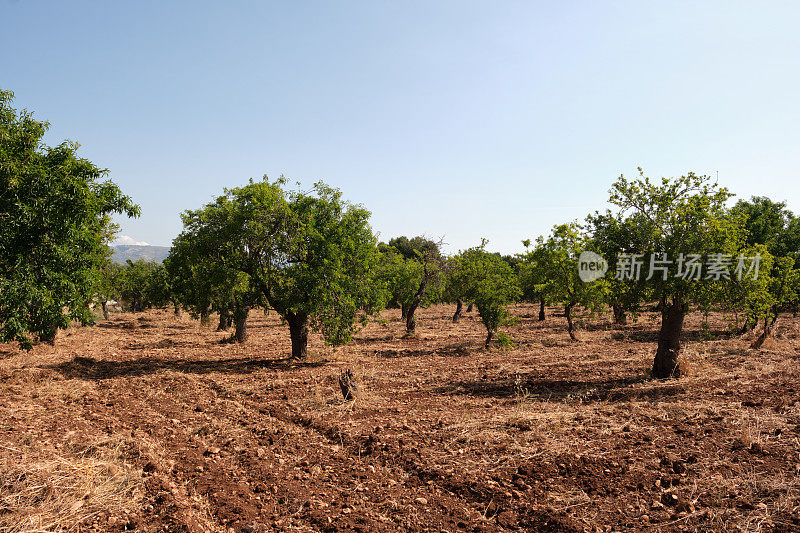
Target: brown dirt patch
(149,422)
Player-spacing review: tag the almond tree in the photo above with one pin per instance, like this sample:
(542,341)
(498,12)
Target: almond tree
(412,272)
(678,218)
(558,255)
(490,282)
(775,290)
(106,283)
(55,222)
(612,235)
(533,276)
(311,255)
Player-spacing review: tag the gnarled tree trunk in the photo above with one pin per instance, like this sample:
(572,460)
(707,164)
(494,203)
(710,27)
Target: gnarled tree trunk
(457,314)
(620,316)
(411,322)
(769,323)
(298,331)
(224,320)
(205,316)
(541,309)
(570,325)
(240,321)
(749,323)
(348,385)
(666,364)
(489,336)
(104,305)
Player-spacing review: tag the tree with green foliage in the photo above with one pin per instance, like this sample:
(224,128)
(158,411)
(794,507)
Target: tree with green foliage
(191,277)
(106,284)
(453,288)
(611,235)
(679,217)
(762,298)
(400,277)
(559,259)
(412,271)
(143,284)
(55,222)
(782,294)
(311,255)
(533,276)
(766,222)
(414,247)
(202,274)
(490,282)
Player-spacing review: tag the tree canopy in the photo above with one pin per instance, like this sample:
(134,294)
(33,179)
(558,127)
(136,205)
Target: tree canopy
(683,225)
(55,221)
(311,255)
(489,281)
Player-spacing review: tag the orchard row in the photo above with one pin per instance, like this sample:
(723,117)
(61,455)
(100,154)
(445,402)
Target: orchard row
(313,258)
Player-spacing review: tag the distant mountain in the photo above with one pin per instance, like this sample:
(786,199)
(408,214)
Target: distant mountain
(123,252)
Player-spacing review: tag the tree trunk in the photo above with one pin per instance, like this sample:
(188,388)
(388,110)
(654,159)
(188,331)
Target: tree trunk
(469,308)
(403,311)
(489,336)
(298,331)
(768,325)
(205,317)
(348,385)
(176,308)
(224,320)
(748,325)
(570,325)
(411,322)
(457,314)
(665,364)
(240,320)
(541,309)
(620,316)
(104,305)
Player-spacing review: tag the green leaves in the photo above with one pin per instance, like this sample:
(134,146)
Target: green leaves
(54,224)
(490,282)
(685,215)
(309,254)
(142,284)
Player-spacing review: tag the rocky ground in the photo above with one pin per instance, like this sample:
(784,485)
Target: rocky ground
(150,422)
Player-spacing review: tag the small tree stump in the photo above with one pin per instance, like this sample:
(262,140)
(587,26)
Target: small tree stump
(348,385)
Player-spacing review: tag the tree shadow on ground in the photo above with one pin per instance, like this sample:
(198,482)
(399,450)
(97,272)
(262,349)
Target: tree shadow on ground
(265,325)
(448,351)
(162,344)
(688,335)
(565,391)
(117,324)
(88,368)
(360,341)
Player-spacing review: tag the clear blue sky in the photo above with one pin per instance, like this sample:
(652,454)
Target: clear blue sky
(456,119)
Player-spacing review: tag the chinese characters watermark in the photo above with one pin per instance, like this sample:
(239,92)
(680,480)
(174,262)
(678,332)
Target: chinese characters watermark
(659,266)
